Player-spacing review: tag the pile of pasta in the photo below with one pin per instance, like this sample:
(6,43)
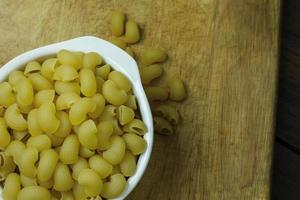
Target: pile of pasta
(69,129)
(161,96)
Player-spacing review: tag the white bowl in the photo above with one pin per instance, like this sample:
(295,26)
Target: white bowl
(120,61)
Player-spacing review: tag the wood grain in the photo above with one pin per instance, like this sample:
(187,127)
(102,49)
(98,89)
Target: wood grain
(226,51)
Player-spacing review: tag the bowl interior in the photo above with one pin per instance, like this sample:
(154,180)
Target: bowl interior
(120,61)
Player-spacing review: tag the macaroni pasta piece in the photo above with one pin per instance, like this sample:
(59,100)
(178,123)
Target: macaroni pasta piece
(47,119)
(87,134)
(117,23)
(32,66)
(91,181)
(34,193)
(7,97)
(114,187)
(4,134)
(47,165)
(14,119)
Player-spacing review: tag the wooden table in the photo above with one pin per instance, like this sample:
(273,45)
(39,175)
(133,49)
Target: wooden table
(226,51)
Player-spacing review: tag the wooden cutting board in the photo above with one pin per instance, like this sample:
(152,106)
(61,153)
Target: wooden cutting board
(225,50)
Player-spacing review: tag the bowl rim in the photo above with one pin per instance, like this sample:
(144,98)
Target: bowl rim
(112,55)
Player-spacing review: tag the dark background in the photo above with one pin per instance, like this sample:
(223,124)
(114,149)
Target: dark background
(286,163)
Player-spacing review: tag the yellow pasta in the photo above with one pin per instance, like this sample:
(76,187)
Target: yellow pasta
(47,119)
(150,73)
(168,112)
(91,181)
(109,113)
(115,154)
(15,149)
(114,187)
(55,195)
(79,55)
(66,57)
(25,109)
(14,119)
(95,198)
(57,149)
(27,162)
(7,165)
(100,82)
(136,144)
(117,128)
(7,97)
(105,130)
(67,195)
(103,71)
(130,51)
(101,166)
(65,73)
(31,67)
(75,129)
(120,80)
(14,77)
(20,135)
(47,165)
(62,178)
(128,164)
(73,139)
(69,150)
(48,67)
(55,140)
(116,170)
(87,134)
(113,94)
(91,60)
(65,100)
(39,82)
(4,134)
(65,87)
(88,83)
(156,93)
(78,192)
(132,32)
(118,42)
(162,126)
(47,184)
(125,114)
(78,167)
(153,55)
(131,102)
(12,187)
(2,109)
(85,152)
(33,125)
(43,96)
(117,23)
(24,92)
(79,110)
(65,126)
(100,103)
(136,126)
(177,89)
(39,142)
(34,193)
(26,181)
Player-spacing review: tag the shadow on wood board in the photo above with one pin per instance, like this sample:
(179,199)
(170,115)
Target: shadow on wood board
(286,163)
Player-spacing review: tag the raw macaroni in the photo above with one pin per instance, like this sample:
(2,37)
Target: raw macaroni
(69,127)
